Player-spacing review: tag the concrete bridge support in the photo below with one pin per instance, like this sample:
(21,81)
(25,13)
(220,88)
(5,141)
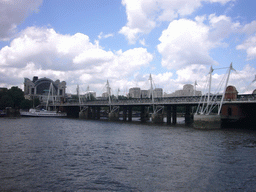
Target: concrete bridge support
(97,113)
(169,114)
(174,114)
(130,113)
(124,113)
(72,111)
(188,115)
(142,114)
(157,118)
(113,116)
(93,112)
(83,114)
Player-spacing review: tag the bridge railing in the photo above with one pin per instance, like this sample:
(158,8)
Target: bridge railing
(144,101)
(166,100)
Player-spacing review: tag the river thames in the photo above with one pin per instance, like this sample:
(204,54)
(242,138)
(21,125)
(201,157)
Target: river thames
(60,154)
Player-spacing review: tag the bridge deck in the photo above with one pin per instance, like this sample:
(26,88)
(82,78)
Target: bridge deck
(242,99)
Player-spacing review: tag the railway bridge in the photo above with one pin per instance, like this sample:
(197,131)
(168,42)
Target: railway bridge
(240,108)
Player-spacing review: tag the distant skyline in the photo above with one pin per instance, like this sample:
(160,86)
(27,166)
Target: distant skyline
(88,42)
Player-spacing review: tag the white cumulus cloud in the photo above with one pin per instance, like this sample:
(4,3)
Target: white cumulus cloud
(45,53)
(187,42)
(250,46)
(12,13)
(144,15)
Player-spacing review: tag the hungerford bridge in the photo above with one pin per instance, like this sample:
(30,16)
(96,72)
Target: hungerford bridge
(229,106)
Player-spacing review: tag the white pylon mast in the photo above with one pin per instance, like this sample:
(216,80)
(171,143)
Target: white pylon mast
(108,92)
(209,92)
(78,94)
(151,90)
(49,93)
(210,84)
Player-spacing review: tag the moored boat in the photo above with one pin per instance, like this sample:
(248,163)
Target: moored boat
(42,113)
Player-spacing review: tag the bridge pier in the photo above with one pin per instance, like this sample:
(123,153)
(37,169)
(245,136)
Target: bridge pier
(157,118)
(84,114)
(174,114)
(169,114)
(188,115)
(113,115)
(129,113)
(93,112)
(142,114)
(124,113)
(97,113)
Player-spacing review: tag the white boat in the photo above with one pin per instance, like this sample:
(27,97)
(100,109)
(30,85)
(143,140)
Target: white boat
(42,113)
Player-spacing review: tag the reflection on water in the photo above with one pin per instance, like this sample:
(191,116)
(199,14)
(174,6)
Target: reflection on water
(39,154)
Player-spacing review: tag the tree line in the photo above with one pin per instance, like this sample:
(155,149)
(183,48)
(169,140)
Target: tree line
(14,98)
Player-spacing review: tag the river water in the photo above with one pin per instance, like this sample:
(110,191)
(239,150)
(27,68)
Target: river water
(59,154)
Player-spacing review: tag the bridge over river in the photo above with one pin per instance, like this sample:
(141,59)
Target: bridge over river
(125,109)
(225,107)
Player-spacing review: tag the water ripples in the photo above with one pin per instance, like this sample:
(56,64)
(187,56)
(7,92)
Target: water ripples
(40,154)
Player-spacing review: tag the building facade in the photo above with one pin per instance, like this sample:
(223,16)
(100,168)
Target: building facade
(134,92)
(40,88)
(158,92)
(144,93)
(188,90)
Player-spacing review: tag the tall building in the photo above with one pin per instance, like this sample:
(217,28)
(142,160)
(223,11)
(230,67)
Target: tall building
(39,88)
(188,90)
(158,92)
(134,92)
(144,93)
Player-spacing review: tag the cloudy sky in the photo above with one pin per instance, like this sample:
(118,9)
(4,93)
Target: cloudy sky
(88,42)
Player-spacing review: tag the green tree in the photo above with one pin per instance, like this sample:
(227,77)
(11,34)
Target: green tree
(3,92)
(6,101)
(17,96)
(26,104)
(36,102)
